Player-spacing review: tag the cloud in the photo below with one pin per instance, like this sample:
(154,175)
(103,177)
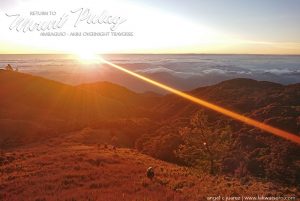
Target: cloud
(282,71)
(174,72)
(155,70)
(183,70)
(214,71)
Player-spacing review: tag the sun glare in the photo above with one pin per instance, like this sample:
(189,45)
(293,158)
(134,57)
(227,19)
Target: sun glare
(88,58)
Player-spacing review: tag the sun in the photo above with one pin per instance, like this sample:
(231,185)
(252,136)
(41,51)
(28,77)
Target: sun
(88,57)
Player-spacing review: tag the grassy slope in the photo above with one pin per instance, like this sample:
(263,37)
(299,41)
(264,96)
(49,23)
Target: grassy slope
(32,108)
(65,168)
(24,96)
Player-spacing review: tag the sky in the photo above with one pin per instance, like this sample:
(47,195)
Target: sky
(155,26)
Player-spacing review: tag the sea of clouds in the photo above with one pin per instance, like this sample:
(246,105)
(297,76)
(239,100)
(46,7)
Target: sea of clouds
(185,72)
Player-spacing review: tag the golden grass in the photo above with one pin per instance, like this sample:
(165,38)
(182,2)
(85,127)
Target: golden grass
(62,169)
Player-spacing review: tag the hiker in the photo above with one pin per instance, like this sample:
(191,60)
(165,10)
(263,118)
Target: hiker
(9,67)
(114,140)
(150,173)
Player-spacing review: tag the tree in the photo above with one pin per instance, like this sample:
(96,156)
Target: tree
(204,145)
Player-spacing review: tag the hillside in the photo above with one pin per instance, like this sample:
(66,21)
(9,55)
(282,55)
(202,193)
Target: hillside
(53,138)
(122,94)
(260,100)
(68,169)
(22,93)
(34,108)
(235,148)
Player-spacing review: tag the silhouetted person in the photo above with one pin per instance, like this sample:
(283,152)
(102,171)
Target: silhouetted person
(212,166)
(114,140)
(9,67)
(150,173)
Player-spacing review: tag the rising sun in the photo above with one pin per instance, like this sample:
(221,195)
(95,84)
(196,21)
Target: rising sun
(88,57)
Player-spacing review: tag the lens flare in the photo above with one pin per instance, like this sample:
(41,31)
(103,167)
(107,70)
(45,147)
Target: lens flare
(229,113)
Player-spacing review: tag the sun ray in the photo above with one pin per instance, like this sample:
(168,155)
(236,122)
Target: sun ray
(219,109)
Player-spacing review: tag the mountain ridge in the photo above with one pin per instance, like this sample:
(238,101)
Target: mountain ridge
(35,111)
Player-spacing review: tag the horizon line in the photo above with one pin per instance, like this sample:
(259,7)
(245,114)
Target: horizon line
(256,54)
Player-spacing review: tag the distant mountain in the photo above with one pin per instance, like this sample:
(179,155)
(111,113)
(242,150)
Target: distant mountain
(31,98)
(122,94)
